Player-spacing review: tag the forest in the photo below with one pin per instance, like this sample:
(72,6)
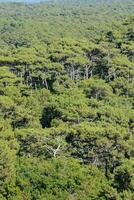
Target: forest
(67,100)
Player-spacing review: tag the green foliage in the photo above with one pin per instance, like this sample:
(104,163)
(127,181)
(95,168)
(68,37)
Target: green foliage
(66,100)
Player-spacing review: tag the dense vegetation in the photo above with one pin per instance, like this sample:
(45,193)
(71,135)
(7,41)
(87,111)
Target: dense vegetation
(66,100)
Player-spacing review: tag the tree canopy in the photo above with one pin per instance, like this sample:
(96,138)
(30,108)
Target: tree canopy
(66,100)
